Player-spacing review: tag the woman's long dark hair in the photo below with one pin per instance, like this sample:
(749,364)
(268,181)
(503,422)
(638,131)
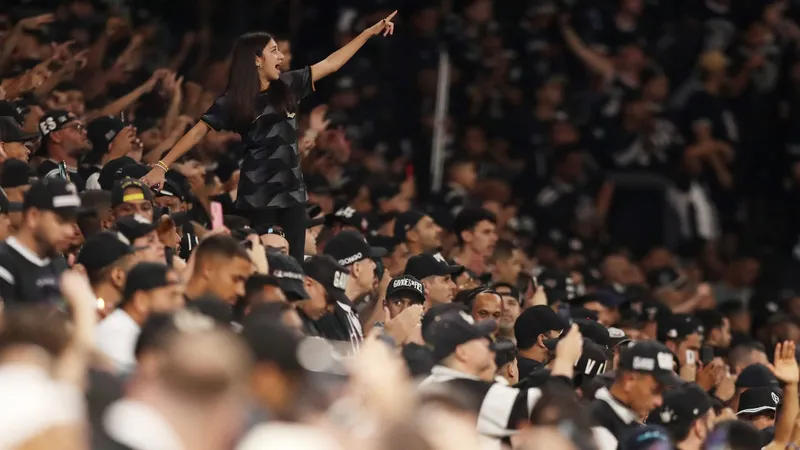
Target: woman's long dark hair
(244,83)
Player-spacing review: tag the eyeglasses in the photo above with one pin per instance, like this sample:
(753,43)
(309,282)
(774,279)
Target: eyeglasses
(76,125)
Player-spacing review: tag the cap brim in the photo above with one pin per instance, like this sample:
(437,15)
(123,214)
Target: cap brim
(377,252)
(756,410)
(294,290)
(485,328)
(668,378)
(337,295)
(407,292)
(455,270)
(315,222)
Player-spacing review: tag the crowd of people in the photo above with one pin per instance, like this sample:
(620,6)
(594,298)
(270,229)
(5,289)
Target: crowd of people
(214,237)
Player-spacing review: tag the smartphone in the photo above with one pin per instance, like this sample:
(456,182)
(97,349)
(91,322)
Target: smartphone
(690,358)
(217,222)
(706,355)
(62,170)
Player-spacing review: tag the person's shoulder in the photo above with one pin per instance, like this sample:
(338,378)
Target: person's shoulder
(46,167)
(292,75)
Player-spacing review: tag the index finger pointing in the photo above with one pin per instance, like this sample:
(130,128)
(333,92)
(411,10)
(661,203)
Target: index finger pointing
(391,16)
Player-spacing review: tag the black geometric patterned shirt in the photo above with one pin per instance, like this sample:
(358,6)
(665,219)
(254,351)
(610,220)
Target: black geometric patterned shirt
(270,171)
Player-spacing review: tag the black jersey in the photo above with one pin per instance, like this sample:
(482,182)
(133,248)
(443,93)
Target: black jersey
(270,171)
(27,278)
(49,169)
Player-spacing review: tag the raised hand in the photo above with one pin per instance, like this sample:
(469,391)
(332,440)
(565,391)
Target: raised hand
(385,26)
(785,365)
(317,120)
(36,22)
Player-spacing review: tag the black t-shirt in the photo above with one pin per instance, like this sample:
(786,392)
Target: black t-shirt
(27,278)
(270,172)
(49,169)
(703,107)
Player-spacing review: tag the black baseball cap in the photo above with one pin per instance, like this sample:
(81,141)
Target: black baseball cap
(406,221)
(112,171)
(7,206)
(535,321)
(406,286)
(54,194)
(430,265)
(592,362)
(579,312)
(651,357)
(16,173)
(146,276)
(350,247)
(349,217)
(617,336)
(678,327)
(101,132)
(386,242)
(289,274)
(330,274)
(558,286)
(170,189)
(102,249)
(449,330)
(759,400)
(681,406)
(755,376)
(595,332)
(134,227)
(118,196)
(437,310)
(10,131)
(654,311)
(14,111)
(55,120)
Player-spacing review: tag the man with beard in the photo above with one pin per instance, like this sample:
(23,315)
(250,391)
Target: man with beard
(63,139)
(31,261)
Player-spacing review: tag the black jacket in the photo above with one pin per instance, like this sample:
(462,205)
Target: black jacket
(608,413)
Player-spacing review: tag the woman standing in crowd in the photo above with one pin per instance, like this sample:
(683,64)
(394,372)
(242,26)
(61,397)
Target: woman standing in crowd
(261,104)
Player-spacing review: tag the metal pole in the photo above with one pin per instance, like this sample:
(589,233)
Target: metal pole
(439,125)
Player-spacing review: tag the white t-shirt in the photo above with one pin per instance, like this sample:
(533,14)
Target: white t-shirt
(33,402)
(116,337)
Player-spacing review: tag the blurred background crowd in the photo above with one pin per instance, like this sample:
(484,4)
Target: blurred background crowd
(531,224)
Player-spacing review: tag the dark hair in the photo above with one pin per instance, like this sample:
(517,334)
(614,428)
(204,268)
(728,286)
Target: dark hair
(244,83)
(255,285)
(469,218)
(503,249)
(219,245)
